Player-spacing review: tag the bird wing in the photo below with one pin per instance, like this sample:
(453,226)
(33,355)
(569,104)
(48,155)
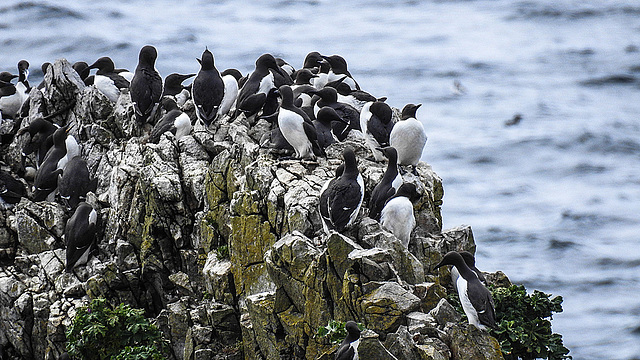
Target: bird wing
(482,301)
(345,352)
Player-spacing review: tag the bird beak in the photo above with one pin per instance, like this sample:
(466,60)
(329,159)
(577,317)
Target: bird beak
(440,264)
(199,61)
(417,106)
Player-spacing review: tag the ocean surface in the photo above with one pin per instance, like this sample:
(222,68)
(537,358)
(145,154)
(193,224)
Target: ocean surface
(554,201)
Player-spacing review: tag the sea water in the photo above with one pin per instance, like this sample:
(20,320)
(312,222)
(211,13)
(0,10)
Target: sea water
(554,201)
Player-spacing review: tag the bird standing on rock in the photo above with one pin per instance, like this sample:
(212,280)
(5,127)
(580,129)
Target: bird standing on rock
(476,299)
(173,88)
(388,186)
(341,197)
(348,349)
(397,214)
(207,89)
(79,235)
(408,136)
(376,126)
(107,80)
(254,92)
(146,85)
(296,127)
(175,121)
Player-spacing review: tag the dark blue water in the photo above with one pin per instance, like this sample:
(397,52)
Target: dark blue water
(553,201)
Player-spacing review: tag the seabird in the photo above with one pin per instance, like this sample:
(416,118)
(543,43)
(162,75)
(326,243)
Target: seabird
(75,182)
(175,121)
(271,106)
(322,79)
(376,125)
(283,77)
(79,235)
(146,85)
(230,78)
(46,179)
(470,260)
(82,68)
(348,349)
(312,60)
(296,127)
(341,197)
(339,69)
(10,98)
(397,214)
(329,97)
(107,79)
(41,140)
(325,123)
(388,186)
(476,300)
(302,87)
(11,190)
(173,87)
(207,90)
(253,94)
(408,136)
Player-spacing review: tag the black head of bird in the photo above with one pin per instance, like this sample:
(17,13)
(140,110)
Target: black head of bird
(267,61)
(148,55)
(409,111)
(207,61)
(103,64)
(382,110)
(452,258)
(313,59)
(7,76)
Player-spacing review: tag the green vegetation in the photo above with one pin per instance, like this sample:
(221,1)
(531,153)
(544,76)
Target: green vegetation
(123,333)
(335,331)
(524,326)
(223,252)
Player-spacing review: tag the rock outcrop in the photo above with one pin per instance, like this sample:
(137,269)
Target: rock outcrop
(222,243)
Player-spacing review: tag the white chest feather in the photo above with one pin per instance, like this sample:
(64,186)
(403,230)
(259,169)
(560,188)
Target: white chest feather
(183,125)
(266,84)
(468,308)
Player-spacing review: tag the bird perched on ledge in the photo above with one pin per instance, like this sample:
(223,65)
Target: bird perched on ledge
(146,85)
(476,299)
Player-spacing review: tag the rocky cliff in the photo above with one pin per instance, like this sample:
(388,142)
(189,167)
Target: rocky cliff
(222,244)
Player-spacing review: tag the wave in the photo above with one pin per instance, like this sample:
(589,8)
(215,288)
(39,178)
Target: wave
(41,11)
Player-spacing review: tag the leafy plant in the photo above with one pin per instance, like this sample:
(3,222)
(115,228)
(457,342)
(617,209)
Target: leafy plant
(121,333)
(335,331)
(223,252)
(524,329)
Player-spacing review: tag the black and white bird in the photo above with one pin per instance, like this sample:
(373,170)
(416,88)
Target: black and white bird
(325,123)
(146,85)
(283,77)
(75,182)
(329,97)
(107,79)
(230,78)
(322,77)
(64,148)
(388,186)
(376,125)
(475,298)
(296,127)
(470,260)
(341,197)
(408,136)
(80,235)
(10,98)
(253,93)
(397,214)
(82,68)
(348,349)
(339,69)
(174,121)
(355,98)
(207,90)
(173,88)
(302,87)
(312,61)
(11,190)
(40,139)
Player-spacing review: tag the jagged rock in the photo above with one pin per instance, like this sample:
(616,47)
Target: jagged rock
(218,278)
(384,308)
(430,294)
(497,279)
(265,325)
(468,342)
(370,347)
(401,345)
(444,313)
(40,226)
(431,248)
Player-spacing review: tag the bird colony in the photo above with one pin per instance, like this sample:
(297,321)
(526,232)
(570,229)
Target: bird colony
(313,115)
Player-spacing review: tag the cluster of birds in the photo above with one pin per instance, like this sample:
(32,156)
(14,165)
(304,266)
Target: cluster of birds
(307,110)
